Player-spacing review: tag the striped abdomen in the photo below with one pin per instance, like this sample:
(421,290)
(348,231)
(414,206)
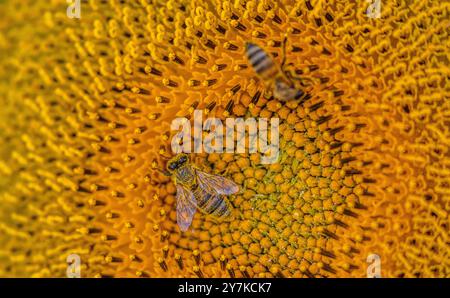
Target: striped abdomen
(213,204)
(260,61)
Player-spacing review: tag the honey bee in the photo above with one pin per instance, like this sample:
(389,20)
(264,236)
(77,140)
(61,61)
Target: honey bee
(275,77)
(197,189)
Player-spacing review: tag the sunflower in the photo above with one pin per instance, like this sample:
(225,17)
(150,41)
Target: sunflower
(87,104)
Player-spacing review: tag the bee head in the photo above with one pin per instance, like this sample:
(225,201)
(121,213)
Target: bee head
(177,162)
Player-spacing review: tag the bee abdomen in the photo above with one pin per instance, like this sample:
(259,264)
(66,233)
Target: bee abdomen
(213,204)
(222,210)
(259,60)
(202,199)
(218,207)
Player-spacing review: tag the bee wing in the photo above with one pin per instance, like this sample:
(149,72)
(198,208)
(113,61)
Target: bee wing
(186,207)
(217,184)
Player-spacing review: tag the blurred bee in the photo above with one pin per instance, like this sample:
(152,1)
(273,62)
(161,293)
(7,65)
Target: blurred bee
(197,189)
(275,77)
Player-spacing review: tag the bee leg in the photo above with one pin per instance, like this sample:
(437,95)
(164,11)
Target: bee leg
(301,80)
(289,78)
(283,61)
(287,74)
(164,172)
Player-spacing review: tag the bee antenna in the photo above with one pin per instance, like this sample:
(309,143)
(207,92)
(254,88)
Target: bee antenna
(284,51)
(165,157)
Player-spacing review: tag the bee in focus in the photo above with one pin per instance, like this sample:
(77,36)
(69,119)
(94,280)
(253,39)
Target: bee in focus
(275,77)
(197,189)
